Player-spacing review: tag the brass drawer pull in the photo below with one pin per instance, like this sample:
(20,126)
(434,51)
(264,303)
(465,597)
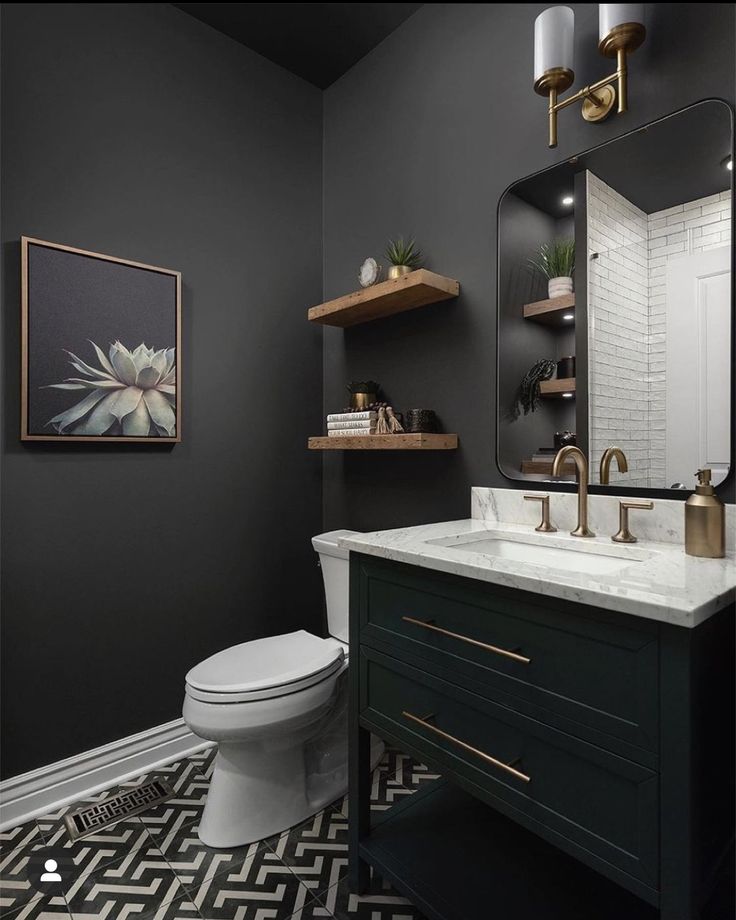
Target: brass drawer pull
(467,747)
(489,648)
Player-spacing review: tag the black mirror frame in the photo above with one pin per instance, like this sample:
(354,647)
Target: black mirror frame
(725,489)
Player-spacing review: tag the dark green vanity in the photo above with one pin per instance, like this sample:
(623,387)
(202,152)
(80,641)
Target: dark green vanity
(568,738)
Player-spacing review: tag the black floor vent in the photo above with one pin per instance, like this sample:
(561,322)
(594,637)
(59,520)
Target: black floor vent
(93,818)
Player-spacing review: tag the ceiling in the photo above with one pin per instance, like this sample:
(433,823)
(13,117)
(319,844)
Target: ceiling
(674,160)
(316,41)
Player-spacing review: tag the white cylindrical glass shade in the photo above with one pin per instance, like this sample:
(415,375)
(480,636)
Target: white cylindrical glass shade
(611,15)
(554,30)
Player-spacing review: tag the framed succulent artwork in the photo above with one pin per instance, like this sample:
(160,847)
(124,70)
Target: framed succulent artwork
(100,347)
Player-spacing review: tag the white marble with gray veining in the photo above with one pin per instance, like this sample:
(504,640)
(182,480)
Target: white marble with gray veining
(665,523)
(662,582)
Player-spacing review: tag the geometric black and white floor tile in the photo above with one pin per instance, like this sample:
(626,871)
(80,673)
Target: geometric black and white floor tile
(154,867)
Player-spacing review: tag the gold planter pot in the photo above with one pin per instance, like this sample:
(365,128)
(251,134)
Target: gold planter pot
(396,271)
(362,400)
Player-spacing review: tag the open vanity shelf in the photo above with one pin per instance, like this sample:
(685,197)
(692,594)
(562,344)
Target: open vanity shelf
(410,842)
(556,388)
(417,289)
(551,312)
(387,442)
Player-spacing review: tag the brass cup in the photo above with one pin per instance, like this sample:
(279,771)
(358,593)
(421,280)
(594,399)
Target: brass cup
(628,36)
(396,271)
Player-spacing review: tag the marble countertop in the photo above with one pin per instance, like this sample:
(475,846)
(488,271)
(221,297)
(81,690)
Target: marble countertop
(661,583)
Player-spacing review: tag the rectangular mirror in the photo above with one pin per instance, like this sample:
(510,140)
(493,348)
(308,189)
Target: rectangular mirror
(615,307)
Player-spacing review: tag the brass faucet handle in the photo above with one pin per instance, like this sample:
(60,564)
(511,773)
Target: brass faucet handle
(544,526)
(624,535)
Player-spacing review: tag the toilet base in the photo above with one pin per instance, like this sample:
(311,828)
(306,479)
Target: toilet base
(260,789)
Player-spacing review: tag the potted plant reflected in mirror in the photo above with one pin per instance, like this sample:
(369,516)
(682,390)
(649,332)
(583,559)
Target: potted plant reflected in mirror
(404,257)
(556,262)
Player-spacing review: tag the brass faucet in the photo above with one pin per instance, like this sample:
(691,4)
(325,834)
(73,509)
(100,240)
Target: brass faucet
(608,454)
(581,475)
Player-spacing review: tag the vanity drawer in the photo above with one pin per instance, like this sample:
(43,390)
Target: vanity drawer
(580,797)
(582,669)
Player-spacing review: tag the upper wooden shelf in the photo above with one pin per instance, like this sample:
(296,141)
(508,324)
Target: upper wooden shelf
(404,441)
(557,387)
(551,312)
(417,289)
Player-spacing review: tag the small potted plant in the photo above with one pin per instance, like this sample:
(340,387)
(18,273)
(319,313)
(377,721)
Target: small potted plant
(403,256)
(556,261)
(363,393)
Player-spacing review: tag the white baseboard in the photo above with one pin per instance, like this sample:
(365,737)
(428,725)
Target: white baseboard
(48,788)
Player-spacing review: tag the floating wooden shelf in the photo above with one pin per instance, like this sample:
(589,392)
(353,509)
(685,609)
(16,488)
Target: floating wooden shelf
(556,388)
(550,312)
(544,467)
(386,442)
(417,289)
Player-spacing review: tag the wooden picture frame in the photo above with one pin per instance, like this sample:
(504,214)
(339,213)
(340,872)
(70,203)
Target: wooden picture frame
(69,296)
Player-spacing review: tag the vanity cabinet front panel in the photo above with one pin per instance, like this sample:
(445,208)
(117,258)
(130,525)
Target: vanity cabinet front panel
(584,667)
(556,784)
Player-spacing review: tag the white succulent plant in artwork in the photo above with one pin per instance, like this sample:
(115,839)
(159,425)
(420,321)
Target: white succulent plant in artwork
(132,393)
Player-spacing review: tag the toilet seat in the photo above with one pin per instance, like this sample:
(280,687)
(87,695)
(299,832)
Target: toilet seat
(265,668)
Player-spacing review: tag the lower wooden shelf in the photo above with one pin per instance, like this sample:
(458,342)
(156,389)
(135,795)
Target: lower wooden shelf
(386,442)
(558,387)
(544,467)
(456,858)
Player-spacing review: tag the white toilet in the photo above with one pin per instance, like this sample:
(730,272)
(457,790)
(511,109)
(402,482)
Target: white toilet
(278,709)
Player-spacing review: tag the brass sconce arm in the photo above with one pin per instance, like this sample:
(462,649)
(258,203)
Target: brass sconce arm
(598,98)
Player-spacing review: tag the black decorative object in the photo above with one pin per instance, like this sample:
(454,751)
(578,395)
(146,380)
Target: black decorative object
(566,368)
(565,439)
(422,421)
(527,396)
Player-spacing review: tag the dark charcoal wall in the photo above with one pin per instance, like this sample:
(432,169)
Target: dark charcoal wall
(422,137)
(134,130)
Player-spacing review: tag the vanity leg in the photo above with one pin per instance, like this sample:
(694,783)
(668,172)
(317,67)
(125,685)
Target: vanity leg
(359,751)
(696,761)
(677,898)
(359,805)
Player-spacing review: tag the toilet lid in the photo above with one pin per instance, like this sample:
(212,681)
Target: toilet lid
(262,664)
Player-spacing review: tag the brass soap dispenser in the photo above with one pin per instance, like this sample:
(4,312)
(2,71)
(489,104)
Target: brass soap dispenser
(705,520)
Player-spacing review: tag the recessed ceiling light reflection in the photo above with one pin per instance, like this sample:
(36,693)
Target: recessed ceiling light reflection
(727,164)
(568,200)
(567,395)
(568,316)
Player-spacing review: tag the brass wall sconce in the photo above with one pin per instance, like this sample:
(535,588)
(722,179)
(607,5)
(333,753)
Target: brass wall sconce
(621,31)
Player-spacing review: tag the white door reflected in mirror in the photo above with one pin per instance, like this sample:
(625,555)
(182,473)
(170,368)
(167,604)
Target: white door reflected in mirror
(698,353)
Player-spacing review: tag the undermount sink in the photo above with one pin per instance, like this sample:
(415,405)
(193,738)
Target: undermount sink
(582,557)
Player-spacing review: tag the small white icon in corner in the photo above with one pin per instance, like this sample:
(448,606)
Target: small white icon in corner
(50,875)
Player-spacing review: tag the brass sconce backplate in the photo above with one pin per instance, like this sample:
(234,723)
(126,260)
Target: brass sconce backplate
(598,106)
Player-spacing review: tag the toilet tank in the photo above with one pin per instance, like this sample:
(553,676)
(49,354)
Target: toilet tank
(335,569)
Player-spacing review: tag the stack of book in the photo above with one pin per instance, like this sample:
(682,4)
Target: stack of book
(351,424)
